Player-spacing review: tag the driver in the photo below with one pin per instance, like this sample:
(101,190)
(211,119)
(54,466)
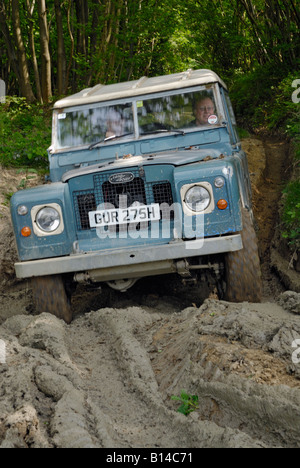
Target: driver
(203,109)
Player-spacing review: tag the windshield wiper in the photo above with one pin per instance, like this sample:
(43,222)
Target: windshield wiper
(111,138)
(164,130)
(115,137)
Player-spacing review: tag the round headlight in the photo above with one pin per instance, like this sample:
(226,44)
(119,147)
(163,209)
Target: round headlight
(197,198)
(48,219)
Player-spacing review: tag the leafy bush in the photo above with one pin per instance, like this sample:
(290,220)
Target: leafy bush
(25,133)
(285,113)
(253,94)
(291,214)
(290,110)
(262,98)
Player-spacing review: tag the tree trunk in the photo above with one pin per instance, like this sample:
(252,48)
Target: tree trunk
(69,67)
(61,52)
(8,43)
(30,9)
(81,24)
(262,53)
(24,80)
(45,54)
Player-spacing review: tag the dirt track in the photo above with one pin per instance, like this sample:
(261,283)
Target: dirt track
(107,379)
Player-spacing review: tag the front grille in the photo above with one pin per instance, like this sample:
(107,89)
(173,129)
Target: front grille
(124,194)
(164,197)
(84,202)
(111,195)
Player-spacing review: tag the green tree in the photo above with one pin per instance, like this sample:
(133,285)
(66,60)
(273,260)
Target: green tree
(61,46)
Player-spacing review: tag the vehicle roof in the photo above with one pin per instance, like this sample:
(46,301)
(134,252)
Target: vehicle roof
(139,87)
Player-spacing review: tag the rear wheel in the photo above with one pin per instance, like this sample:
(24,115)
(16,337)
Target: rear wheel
(243,272)
(50,295)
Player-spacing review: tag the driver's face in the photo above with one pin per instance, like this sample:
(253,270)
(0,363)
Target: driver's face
(203,110)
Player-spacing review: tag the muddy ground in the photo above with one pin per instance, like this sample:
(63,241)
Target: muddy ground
(107,379)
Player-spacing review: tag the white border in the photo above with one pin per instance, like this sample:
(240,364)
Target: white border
(210,207)
(37,231)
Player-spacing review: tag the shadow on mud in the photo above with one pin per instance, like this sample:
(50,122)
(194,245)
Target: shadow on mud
(163,293)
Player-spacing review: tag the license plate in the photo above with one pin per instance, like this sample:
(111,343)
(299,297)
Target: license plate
(114,217)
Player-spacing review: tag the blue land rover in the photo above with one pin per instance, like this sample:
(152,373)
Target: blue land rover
(147,178)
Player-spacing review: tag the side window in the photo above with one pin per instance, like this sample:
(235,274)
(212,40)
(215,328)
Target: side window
(236,138)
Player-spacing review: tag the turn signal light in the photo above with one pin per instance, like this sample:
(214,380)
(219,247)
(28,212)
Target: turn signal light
(222,204)
(26,232)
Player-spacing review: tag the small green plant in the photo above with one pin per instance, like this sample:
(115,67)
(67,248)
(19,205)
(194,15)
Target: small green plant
(7,197)
(189,403)
(29,174)
(243,133)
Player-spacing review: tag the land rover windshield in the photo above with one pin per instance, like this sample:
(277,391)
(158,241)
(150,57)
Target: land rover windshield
(101,123)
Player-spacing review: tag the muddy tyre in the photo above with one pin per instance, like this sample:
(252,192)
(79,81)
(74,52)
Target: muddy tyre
(50,295)
(243,272)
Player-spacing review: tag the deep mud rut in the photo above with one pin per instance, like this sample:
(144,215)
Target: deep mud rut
(107,379)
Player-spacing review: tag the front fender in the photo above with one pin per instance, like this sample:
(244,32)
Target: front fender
(47,246)
(216,222)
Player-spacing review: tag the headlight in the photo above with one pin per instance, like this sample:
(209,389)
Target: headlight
(48,219)
(197,198)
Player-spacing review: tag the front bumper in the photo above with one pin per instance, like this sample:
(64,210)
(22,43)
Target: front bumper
(129,263)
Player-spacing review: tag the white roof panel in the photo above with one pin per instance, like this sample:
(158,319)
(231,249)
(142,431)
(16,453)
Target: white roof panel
(101,93)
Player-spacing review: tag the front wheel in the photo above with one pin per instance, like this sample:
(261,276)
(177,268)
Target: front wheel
(50,295)
(243,272)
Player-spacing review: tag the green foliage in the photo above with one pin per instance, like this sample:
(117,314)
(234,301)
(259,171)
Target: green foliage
(262,98)
(189,403)
(25,134)
(254,96)
(291,214)
(112,40)
(284,112)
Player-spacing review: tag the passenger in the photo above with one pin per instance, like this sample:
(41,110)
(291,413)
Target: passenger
(114,123)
